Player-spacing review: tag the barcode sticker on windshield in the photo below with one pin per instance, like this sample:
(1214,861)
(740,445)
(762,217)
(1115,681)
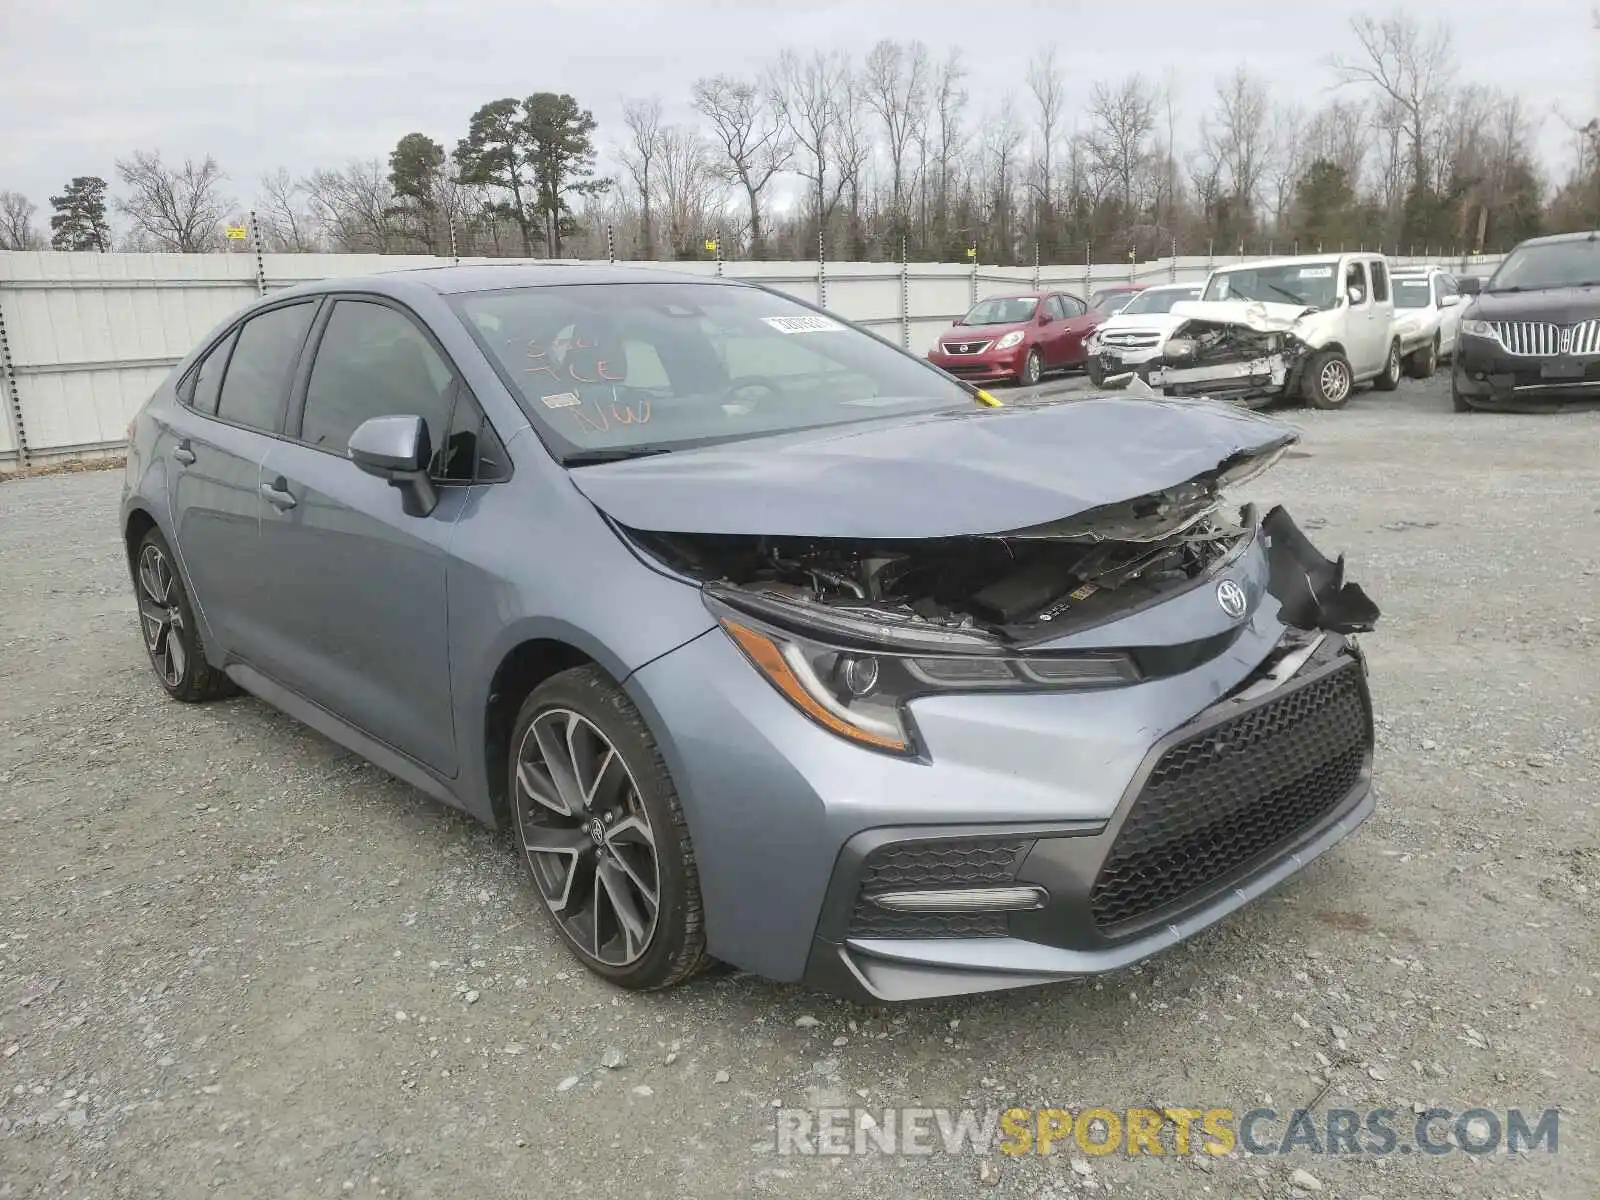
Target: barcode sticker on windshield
(803,324)
(561,400)
(1316,272)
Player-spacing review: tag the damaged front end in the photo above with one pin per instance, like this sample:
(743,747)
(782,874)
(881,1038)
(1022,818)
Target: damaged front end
(1249,358)
(850,630)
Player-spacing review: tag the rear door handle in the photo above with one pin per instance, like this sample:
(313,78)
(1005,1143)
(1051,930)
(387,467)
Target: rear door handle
(278,495)
(181,453)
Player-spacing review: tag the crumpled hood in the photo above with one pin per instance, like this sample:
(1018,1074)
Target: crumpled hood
(1142,323)
(983,471)
(1253,314)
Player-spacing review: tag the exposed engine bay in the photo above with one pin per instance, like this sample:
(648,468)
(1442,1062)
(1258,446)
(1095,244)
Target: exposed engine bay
(1228,362)
(1020,587)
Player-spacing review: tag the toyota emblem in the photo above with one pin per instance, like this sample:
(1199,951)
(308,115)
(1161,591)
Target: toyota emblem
(1231,597)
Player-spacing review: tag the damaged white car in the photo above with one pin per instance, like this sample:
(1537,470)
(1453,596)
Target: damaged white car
(1312,327)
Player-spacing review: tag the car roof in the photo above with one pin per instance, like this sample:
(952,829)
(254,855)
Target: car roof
(487,277)
(1553,238)
(1287,261)
(1191,285)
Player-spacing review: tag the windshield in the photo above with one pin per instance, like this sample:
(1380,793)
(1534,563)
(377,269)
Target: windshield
(1109,302)
(615,370)
(1413,293)
(1158,300)
(1550,265)
(1311,285)
(1002,310)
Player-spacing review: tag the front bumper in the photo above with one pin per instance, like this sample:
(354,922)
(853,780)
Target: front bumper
(991,365)
(1486,376)
(1257,378)
(1219,812)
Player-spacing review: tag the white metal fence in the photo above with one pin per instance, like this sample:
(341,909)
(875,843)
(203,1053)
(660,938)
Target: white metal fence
(85,338)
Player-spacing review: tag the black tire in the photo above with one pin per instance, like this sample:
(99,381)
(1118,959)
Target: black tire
(1094,371)
(1390,379)
(1326,381)
(167,624)
(1424,363)
(674,948)
(1032,369)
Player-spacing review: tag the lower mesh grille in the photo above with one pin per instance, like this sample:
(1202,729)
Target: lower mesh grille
(1233,794)
(904,866)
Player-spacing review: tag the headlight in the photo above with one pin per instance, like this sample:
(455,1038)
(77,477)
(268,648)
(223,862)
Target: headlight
(861,695)
(1014,338)
(1479,329)
(1178,347)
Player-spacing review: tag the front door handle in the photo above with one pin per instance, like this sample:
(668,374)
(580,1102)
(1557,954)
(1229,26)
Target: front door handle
(181,453)
(278,495)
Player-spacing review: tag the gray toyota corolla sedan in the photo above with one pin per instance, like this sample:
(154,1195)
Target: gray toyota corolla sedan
(769,642)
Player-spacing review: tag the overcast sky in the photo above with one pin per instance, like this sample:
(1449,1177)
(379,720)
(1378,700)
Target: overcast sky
(314,83)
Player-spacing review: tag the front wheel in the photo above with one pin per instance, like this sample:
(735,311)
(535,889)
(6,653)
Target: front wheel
(1032,369)
(1095,372)
(603,833)
(1424,362)
(1390,379)
(1327,380)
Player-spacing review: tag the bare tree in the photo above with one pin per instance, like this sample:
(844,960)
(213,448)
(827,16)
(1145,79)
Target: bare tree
(17,231)
(285,218)
(1003,134)
(807,93)
(895,83)
(949,136)
(1238,130)
(755,143)
(854,151)
(1049,101)
(181,208)
(1123,118)
(1411,67)
(355,206)
(1286,161)
(643,119)
(687,187)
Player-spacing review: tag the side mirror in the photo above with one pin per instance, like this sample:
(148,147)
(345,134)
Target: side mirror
(1469,285)
(1045,318)
(1356,296)
(1449,301)
(398,449)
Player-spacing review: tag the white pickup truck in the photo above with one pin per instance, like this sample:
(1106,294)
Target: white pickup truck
(1314,326)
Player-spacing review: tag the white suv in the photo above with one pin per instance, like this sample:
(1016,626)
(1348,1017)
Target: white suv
(1427,316)
(1313,326)
(1133,335)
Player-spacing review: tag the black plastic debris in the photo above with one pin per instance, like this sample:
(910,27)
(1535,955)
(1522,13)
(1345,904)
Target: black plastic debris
(1311,588)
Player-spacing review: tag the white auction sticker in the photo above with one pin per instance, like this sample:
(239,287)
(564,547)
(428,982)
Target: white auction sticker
(1316,272)
(561,400)
(803,324)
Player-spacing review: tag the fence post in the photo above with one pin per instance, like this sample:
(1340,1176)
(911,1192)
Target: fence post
(1172,263)
(261,262)
(455,254)
(719,254)
(1211,256)
(822,267)
(1036,263)
(1088,269)
(8,376)
(1133,258)
(972,253)
(905,296)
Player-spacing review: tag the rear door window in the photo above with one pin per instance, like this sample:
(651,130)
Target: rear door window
(255,390)
(1380,282)
(204,383)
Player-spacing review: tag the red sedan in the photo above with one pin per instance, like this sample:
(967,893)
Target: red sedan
(1017,337)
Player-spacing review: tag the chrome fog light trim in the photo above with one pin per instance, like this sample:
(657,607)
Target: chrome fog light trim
(993,899)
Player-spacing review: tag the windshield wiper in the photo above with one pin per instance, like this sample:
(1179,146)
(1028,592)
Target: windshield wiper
(605,454)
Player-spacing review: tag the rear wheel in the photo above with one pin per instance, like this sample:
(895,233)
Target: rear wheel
(171,635)
(1424,362)
(1390,379)
(1327,380)
(1032,369)
(603,834)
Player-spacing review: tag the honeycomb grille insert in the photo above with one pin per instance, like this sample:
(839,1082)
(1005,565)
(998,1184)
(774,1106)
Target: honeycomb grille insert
(905,866)
(1233,794)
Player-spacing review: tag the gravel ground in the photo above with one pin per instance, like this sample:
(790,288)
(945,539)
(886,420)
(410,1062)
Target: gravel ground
(236,961)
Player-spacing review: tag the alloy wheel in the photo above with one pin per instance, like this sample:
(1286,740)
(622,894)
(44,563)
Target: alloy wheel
(1334,380)
(161,616)
(587,837)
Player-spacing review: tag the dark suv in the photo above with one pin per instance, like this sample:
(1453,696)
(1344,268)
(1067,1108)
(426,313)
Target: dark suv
(1530,340)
